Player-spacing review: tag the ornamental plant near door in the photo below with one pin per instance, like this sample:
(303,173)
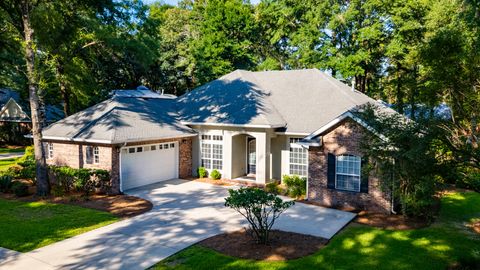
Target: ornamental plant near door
(259,207)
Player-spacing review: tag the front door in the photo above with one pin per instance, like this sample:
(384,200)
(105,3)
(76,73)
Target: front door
(251,156)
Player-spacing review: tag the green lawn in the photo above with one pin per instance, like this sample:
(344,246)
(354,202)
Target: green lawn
(25,226)
(7,163)
(11,150)
(362,247)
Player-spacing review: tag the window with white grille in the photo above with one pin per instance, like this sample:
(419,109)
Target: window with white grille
(348,172)
(212,151)
(298,158)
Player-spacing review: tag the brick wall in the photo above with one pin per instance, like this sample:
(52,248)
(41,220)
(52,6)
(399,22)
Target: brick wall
(74,155)
(344,138)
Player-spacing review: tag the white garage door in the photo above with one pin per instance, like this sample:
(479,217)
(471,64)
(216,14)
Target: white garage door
(148,164)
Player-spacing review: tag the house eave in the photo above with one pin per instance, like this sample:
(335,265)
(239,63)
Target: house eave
(230,125)
(80,140)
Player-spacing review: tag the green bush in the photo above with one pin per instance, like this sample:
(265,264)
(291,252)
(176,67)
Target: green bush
(215,175)
(5,183)
(259,207)
(202,172)
(273,187)
(296,185)
(419,202)
(101,180)
(20,189)
(27,165)
(66,179)
(471,181)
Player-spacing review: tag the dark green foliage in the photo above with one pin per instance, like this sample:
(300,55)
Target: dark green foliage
(20,189)
(405,158)
(202,172)
(259,207)
(13,133)
(470,181)
(215,175)
(296,185)
(65,179)
(27,165)
(273,188)
(5,183)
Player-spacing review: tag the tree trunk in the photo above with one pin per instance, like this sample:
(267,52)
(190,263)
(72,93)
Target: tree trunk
(43,187)
(59,74)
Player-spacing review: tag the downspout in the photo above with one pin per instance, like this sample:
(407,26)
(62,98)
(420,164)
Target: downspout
(392,203)
(120,166)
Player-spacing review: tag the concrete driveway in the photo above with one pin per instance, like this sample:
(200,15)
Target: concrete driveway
(184,213)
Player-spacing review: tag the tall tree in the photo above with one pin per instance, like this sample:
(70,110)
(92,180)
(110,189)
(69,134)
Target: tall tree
(20,16)
(226,30)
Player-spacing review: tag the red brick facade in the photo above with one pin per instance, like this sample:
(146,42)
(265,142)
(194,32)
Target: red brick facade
(344,138)
(73,155)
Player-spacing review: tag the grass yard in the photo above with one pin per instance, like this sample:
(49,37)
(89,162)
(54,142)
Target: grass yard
(7,163)
(362,247)
(25,226)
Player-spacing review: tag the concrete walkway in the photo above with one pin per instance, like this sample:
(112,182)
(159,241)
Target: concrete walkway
(184,213)
(11,155)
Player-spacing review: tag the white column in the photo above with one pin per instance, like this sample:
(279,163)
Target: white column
(227,155)
(263,157)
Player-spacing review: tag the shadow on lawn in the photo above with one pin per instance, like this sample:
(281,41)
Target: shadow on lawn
(362,247)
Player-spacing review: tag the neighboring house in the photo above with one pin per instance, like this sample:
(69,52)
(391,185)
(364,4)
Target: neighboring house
(15,119)
(14,110)
(253,126)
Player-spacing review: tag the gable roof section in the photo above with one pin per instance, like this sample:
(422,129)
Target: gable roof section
(299,101)
(119,120)
(13,112)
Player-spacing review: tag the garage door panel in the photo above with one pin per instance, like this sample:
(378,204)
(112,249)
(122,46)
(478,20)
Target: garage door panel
(148,167)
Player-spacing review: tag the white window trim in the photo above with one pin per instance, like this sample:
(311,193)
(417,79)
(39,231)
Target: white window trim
(96,155)
(49,150)
(295,145)
(349,174)
(211,141)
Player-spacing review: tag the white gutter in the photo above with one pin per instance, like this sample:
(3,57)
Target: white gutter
(231,125)
(109,141)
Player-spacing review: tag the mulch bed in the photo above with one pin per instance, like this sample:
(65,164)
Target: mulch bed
(283,245)
(390,222)
(122,206)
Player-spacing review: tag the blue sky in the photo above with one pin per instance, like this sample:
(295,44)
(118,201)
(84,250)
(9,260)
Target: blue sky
(174,2)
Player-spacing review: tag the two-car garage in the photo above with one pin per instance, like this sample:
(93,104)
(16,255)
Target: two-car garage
(147,164)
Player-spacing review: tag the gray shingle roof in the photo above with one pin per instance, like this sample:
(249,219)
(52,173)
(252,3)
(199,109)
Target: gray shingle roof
(121,119)
(301,101)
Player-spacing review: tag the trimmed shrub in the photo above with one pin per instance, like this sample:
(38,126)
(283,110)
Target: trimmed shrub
(5,183)
(259,207)
(101,180)
(296,185)
(215,175)
(273,188)
(65,179)
(20,189)
(202,172)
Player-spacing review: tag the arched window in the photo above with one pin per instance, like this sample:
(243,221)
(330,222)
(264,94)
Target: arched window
(348,172)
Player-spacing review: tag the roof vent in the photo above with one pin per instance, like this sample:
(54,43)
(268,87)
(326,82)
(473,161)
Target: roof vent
(142,87)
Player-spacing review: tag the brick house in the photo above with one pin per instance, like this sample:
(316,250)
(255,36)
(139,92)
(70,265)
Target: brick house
(251,126)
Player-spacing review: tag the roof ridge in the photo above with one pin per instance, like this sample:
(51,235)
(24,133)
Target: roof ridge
(343,91)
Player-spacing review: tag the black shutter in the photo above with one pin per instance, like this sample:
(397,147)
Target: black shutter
(364,175)
(331,171)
